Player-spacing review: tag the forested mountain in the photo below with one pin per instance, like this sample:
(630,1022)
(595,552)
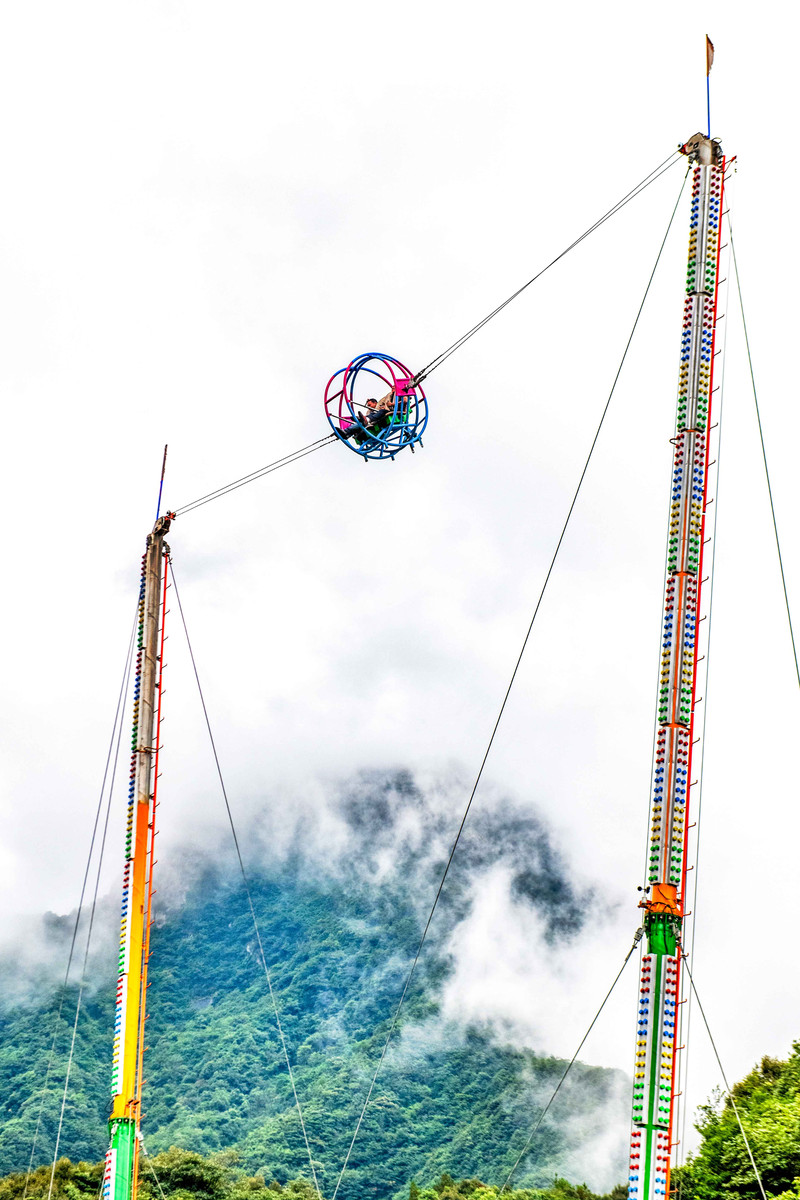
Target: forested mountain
(339,930)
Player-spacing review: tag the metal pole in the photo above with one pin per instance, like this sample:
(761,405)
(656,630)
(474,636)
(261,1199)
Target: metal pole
(664,904)
(119,1177)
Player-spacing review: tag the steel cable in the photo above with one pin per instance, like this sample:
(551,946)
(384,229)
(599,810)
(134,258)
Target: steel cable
(92,913)
(120,698)
(246,883)
(152,1168)
(286,461)
(631,195)
(725,1079)
(655,174)
(764,452)
(506,698)
(571,1063)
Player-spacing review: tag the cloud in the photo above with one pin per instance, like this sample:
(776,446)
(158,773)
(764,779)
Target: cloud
(374,830)
(519,972)
(592,1112)
(35,952)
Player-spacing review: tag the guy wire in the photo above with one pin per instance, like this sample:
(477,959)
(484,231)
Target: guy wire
(725,1081)
(631,195)
(764,452)
(499,717)
(120,699)
(568,1068)
(246,883)
(89,931)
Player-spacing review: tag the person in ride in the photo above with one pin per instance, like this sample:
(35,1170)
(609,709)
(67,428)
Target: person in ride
(376,418)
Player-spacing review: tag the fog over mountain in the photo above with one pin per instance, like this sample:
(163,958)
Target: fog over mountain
(341,901)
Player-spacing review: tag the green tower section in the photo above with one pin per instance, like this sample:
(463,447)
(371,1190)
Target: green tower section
(663,931)
(120,1159)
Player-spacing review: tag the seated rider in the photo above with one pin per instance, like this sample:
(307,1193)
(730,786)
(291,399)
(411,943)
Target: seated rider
(376,418)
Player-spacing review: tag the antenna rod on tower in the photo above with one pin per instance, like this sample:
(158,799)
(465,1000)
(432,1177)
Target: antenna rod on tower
(120,1175)
(709,63)
(665,895)
(161,484)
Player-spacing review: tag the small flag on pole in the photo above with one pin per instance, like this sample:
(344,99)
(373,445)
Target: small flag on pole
(709,54)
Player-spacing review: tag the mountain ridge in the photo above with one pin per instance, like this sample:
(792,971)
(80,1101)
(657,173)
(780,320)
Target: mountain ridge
(339,941)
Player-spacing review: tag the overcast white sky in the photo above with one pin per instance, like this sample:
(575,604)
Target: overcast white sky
(206,210)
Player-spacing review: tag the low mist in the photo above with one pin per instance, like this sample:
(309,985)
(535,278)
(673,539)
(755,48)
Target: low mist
(513,953)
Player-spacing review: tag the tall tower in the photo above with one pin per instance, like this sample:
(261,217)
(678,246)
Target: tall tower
(665,896)
(119,1180)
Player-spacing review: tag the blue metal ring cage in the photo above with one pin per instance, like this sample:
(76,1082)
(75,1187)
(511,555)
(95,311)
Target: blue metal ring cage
(373,425)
